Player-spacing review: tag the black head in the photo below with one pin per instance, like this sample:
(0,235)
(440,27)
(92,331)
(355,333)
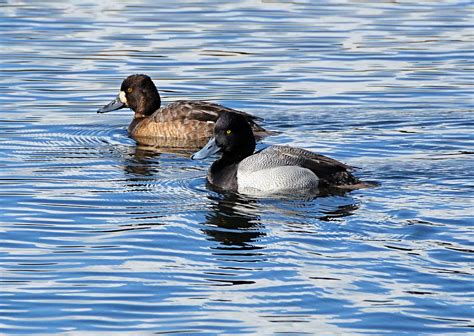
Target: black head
(234,135)
(139,93)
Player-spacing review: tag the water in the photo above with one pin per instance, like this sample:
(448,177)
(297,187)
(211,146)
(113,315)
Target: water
(100,235)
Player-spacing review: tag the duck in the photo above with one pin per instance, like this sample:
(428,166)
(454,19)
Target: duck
(184,120)
(277,169)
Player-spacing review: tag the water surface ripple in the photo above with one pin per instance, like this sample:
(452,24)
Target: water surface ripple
(101,235)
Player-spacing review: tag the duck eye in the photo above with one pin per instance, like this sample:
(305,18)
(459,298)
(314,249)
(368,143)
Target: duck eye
(129,90)
(228,132)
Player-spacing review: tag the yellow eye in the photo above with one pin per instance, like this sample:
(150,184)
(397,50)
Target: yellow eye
(228,132)
(129,90)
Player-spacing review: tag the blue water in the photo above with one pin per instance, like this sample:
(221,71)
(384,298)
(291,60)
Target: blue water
(100,235)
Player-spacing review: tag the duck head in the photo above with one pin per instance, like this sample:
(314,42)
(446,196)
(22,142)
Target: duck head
(233,137)
(139,93)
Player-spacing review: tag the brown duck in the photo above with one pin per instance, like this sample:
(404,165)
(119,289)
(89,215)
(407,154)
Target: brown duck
(184,122)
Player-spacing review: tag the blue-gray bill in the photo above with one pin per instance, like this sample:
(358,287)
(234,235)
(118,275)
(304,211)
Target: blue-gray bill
(115,104)
(209,149)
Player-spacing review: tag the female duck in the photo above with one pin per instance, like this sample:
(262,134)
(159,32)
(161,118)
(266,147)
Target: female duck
(273,170)
(184,119)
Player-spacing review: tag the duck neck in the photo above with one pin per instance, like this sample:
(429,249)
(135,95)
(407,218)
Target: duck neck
(222,164)
(230,159)
(146,106)
(223,174)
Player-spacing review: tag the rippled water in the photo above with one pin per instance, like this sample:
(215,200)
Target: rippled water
(98,234)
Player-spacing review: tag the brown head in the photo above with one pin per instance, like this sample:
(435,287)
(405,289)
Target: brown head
(139,93)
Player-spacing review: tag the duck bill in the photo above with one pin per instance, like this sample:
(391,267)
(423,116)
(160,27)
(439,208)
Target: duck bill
(209,149)
(115,104)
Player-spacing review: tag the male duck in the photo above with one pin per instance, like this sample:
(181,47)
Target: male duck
(273,170)
(184,119)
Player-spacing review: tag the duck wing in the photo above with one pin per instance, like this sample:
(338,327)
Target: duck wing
(197,110)
(329,171)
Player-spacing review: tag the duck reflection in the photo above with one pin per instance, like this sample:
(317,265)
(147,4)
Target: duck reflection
(144,157)
(171,145)
(141,162)
(340,211)
(233,223)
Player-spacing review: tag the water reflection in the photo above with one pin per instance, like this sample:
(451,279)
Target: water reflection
(340,212)
(170,145)
(235,220)
(139,163)
(144,160)
(232,222)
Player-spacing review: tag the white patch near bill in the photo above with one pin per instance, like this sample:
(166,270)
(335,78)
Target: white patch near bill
(122,97)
